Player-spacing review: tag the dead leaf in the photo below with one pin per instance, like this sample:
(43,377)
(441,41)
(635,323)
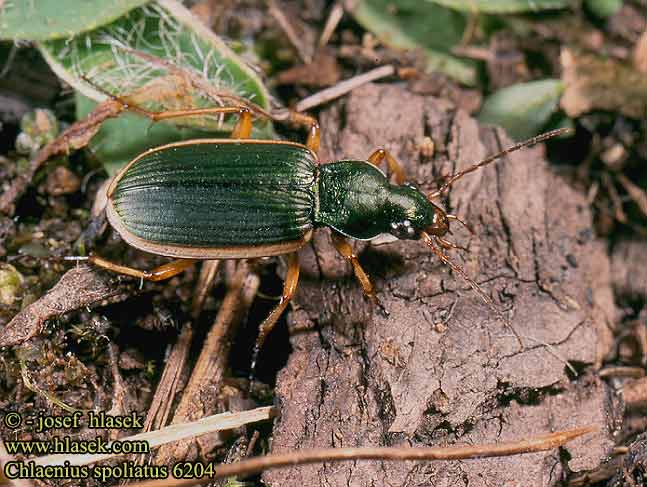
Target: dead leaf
(594,82)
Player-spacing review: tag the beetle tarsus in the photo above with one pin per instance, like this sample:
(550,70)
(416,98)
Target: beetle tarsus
(380,306)
(455,218)
(447,245)
(289,287)
(160,273)
(304,120)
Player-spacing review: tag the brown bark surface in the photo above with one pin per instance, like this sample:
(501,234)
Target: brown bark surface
(442,369)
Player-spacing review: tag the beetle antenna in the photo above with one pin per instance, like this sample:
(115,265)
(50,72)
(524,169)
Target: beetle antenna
(526,143)
(435,245)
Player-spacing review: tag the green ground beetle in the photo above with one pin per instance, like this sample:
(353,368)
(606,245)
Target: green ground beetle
(242,198)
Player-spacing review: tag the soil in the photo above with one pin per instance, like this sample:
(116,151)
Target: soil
(442,368)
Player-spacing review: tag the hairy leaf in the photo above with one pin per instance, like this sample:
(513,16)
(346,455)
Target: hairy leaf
(161,58)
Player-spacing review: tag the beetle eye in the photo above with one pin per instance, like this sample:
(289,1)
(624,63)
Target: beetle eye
(403,230)
(411,185)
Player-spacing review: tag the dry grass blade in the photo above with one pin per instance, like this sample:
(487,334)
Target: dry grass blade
(260,464)
(160,407)
(335,15)
(344,87)
(637,194)
(278,14)
(176,432)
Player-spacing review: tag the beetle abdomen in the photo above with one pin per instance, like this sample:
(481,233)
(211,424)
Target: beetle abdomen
(218,193)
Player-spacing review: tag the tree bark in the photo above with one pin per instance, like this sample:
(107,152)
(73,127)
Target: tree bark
(442,368)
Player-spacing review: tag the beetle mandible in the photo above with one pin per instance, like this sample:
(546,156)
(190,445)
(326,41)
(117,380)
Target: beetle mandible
(243,198)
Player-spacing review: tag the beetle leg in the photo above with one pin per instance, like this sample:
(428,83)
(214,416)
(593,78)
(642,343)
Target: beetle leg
(289,287)
(310,123)
(394,166)
(160,273)
(346,251)
(243,129)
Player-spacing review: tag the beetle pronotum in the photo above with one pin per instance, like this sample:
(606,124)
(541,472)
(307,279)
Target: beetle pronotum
(243,198)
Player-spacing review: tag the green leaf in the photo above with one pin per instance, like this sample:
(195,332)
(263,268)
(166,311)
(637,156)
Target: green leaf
(38,20)
(415,24)
(603,8)
(522,109)
(168,37)
(503,6)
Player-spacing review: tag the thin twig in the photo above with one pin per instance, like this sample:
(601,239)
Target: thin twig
(252,443)
(169,381)
(619,212)
(335,15)
(637,194)
(207,276)
(462,452)
(211,365)
(78,287)
(160,408)
(289,31)
(344,87)
(622,371)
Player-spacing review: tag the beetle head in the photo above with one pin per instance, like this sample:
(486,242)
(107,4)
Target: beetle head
(439,222)
(411,213)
